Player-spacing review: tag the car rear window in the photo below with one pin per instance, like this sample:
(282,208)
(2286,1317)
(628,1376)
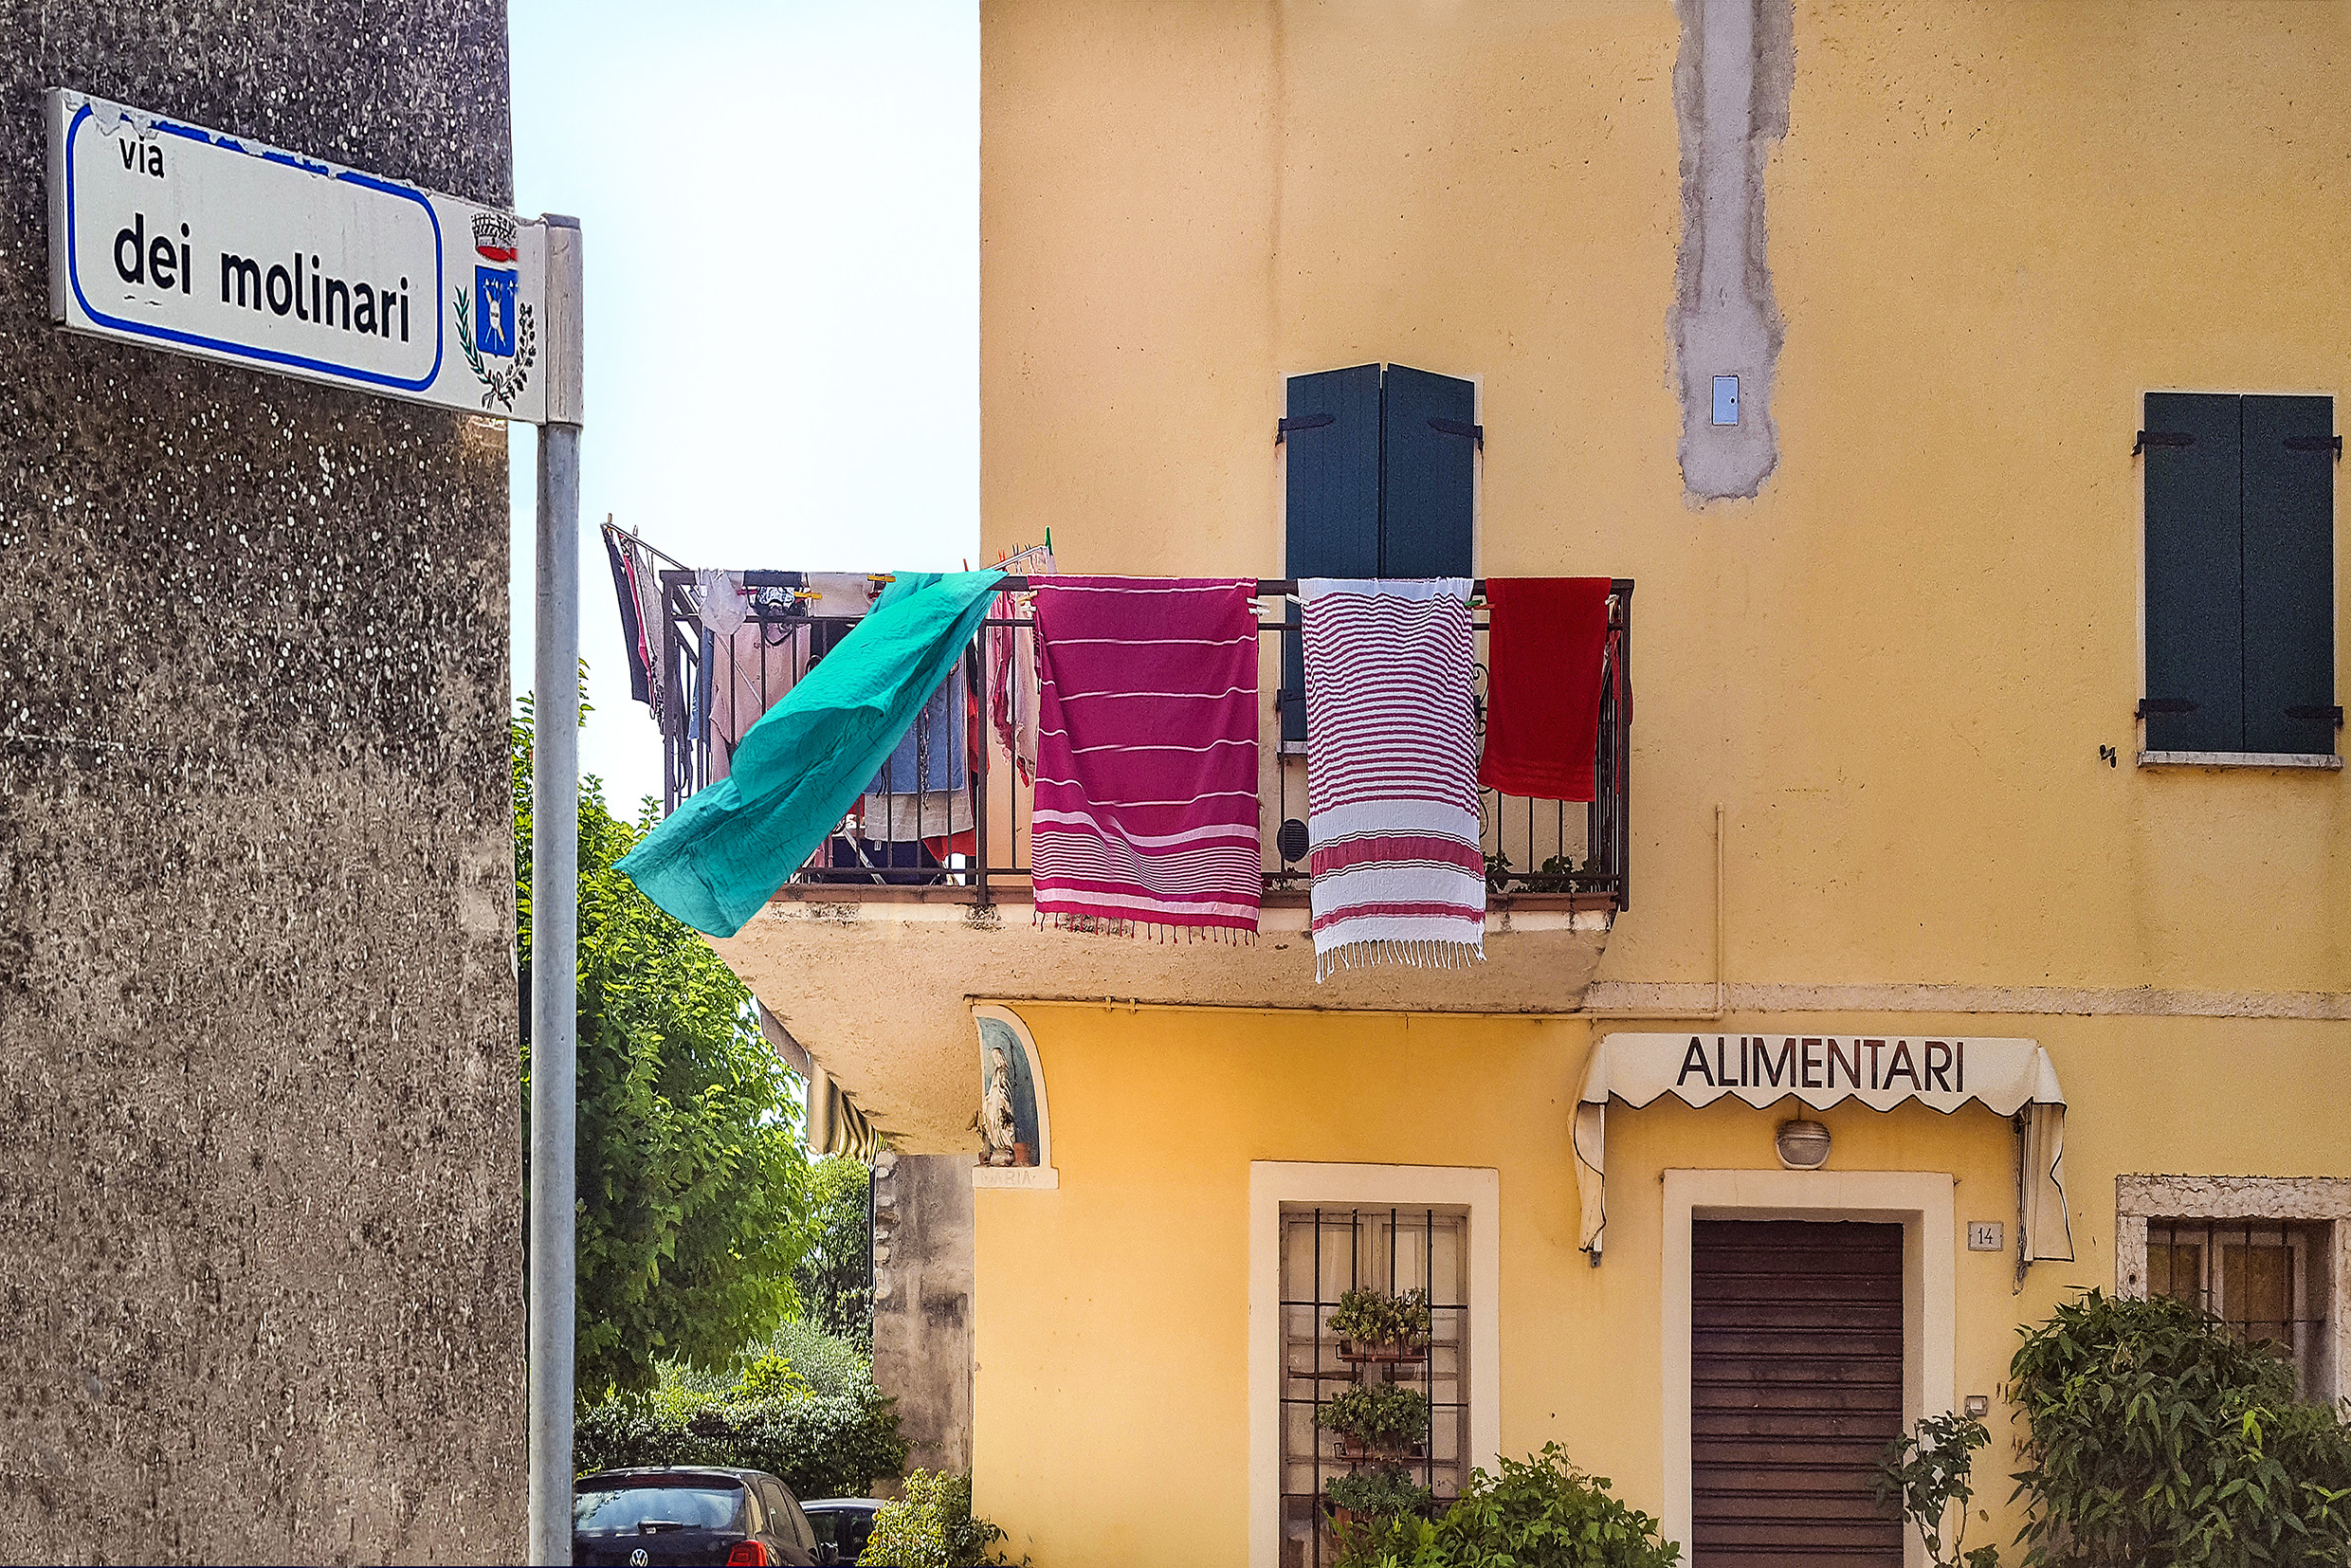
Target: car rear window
(630,1508)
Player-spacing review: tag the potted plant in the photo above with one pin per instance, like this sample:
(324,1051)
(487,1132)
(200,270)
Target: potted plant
(1378,1421)
(1372,1495)
(1377,1328)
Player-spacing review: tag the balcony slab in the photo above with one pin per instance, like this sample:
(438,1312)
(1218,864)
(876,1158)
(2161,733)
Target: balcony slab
(876,982)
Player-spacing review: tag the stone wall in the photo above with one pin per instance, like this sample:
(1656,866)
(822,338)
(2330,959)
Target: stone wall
(259,1200)
(922,1303)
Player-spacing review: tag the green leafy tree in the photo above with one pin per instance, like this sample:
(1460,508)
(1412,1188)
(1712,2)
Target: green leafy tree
(835,1276)
(693,1186)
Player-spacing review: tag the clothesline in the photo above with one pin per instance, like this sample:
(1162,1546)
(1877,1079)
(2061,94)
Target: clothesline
(641,542)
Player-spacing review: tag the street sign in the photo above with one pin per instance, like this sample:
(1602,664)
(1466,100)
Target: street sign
(195,242)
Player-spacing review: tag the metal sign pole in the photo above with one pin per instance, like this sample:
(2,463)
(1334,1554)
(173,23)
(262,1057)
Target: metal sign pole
(554,913)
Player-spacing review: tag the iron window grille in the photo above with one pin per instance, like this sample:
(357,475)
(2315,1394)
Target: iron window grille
(2264,1279)
(1328,1252)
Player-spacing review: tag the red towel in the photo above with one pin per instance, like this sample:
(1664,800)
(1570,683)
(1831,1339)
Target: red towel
(1542,703)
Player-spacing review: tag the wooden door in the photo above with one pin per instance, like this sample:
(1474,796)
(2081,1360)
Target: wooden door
(1795,1386)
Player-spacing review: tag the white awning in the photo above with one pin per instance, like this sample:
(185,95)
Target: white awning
(2003,1075)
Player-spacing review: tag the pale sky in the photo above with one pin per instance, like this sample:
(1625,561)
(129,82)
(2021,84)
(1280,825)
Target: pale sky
(780,213)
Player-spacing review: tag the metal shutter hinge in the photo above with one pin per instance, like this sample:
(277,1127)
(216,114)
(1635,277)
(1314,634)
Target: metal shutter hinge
(1303,422)
(2316,443)
(2165,704)
(2307,712)
(1454,427)
(2161,438)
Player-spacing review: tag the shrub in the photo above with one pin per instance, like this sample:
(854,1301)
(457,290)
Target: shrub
(1381,1416)
(767,1377)
(819,1445)
(1538,1513)
(932,1526)
(1369,1317)
(1928,1472)
(1383,1492)
(828,1363)
(2156,1436)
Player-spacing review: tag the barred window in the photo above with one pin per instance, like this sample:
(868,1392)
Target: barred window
(1326,1251)
(2265,1279)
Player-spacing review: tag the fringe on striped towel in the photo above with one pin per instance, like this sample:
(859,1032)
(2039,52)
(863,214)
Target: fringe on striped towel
(1409,955)
(1099,926)
(1391,774)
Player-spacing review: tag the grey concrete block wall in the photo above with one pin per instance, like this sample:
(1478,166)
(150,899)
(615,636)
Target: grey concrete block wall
(260,1203)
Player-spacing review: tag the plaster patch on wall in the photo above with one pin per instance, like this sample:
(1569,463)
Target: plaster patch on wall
(1731,83)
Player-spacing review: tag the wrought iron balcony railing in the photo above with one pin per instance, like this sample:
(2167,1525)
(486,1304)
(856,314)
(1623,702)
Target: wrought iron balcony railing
(970,829)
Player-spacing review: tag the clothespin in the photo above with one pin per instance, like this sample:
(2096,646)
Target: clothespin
(880,577)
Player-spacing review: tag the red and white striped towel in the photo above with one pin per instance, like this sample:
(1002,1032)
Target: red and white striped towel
(1147,792)
(1391,774)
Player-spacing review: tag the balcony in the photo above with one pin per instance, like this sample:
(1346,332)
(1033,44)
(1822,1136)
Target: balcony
(871,951)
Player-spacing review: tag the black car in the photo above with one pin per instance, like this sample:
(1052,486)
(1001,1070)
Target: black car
(843,1524)
(688,1514)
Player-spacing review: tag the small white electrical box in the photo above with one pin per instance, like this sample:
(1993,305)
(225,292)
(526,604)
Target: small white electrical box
(1986,1235)
(1978,1405)
(1726,400)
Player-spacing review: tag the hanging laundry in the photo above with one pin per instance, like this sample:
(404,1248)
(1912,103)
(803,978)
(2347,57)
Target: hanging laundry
(839,595)
(784,628)
(724,607)
(715,861)
(1012,663)
(1146,794)
(1546,640)
(698,724)
(631,619)
(660,644)
(923,792)
(1392,786)
(758,667)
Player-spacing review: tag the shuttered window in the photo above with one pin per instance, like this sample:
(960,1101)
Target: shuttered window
(2240,524)
(1380,483)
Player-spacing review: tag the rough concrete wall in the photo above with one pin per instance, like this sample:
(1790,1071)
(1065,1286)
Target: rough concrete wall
(1732,79)
(922,1303)
(260,1219)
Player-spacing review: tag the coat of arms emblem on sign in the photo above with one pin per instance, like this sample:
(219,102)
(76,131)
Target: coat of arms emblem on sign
(494,324)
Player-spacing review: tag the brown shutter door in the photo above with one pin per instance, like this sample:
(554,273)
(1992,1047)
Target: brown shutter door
(1795,1386)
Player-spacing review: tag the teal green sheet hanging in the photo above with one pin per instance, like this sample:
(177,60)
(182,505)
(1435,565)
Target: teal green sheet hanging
(717,859)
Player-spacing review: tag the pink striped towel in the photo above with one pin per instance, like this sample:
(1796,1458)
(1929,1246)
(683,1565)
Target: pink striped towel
(1147,792)
(1391,774)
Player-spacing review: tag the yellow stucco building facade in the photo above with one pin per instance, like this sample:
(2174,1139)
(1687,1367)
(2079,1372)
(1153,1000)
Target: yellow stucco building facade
(1898,770)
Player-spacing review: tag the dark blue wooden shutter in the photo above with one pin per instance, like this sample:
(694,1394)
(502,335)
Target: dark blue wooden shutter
(1331,499)
(2194,520)
(2289,573)
(1428,474)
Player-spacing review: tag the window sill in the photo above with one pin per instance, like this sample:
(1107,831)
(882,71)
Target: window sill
(2327,761)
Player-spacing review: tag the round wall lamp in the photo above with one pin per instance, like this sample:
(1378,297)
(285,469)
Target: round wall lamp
(1803,1145)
